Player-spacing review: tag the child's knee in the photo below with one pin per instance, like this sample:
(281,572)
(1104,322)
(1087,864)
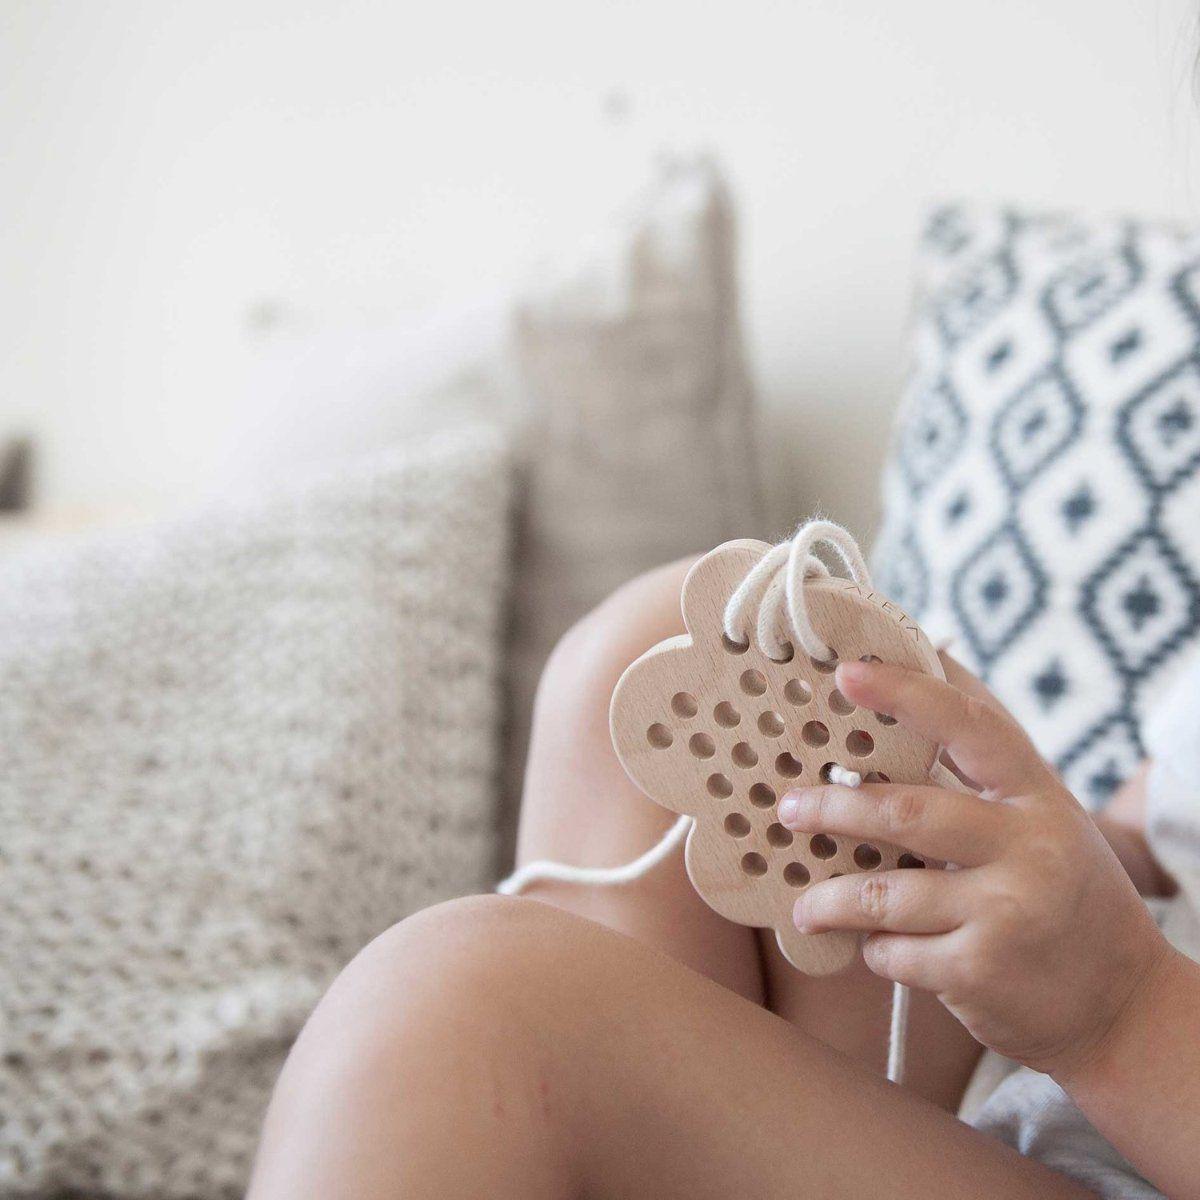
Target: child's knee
(590,656)
(442,978)
(446,1013)
(491,984)
(463,956)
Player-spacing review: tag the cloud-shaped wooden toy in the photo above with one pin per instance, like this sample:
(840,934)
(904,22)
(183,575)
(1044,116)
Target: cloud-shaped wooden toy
(719,731)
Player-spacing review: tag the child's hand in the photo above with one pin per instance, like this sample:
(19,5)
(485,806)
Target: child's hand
(1039,942)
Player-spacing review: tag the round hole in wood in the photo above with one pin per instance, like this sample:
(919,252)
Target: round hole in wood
(826,771)
(754,864)
(910,862)
(822,845)
(726,715)
(762,796)
(796,875)
(701,745)
(719,786)
(840,704)
(683,704)
(797,692)
(788,765)
(754,683)
(770,723)
(867,856)
(736,825)
(826,666)
(744,755)
(884,719)
(659,736)
(733,647)
(788,653)
(815,733)
(876,777)
(860,743)
(778,836)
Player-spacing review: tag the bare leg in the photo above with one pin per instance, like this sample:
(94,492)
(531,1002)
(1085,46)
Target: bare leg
(501,1048)
(581,807)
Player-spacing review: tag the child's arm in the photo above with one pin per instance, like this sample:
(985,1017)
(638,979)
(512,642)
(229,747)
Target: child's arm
(1141,1085)
(1039,943)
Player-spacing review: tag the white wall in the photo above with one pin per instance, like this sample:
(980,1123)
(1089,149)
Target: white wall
(170,170)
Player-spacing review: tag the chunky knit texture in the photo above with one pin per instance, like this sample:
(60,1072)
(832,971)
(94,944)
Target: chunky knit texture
(231,752)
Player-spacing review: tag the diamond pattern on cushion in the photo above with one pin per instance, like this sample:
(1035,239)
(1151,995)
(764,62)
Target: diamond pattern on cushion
(934,436)
(998,592)
(1035,426)
(1038,496)
(975,297)
(1088,286)
(1160,427)
(1142,602)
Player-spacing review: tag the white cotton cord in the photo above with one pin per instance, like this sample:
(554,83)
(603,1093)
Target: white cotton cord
(843,775)
(750,596)
(898,1033)
(807,538)
(774,587)
(901,995)
(544,869)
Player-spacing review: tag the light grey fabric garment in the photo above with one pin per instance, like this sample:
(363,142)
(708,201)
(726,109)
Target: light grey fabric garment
(1031,1113)
(232,751)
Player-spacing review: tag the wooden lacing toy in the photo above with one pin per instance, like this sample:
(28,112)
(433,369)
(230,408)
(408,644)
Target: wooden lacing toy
(717,723)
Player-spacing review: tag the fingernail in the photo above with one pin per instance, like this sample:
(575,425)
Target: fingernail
(798,915)
(789,808)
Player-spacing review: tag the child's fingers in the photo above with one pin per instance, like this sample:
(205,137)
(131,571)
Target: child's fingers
(955,826)
(968,682)
(919,960)
(985,743)
(972,685)
(895,901)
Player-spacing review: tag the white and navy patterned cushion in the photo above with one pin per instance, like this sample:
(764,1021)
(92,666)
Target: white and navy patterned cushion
(1042,500)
